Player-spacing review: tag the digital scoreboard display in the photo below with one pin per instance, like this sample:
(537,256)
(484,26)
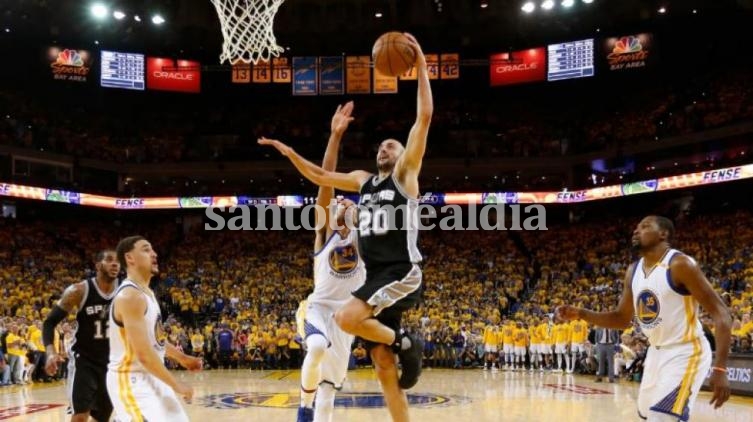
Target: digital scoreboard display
(571,60)
(122,70)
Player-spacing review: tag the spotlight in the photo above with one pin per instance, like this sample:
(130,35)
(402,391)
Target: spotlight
(158,19)
(484,4)
(588,1)
(118,15)
(99,10)
(378,14)
(662,10)
(568,3)
(137,18)
(528,7)
(547,4)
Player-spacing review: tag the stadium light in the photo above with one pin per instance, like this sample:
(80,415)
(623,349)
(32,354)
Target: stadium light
(484,4)
(588,1)
(378,14)
(528,7)
(568,3)
(662,10)
(547,4)
(118,15)
(137,18)
(158,19)
(99,10)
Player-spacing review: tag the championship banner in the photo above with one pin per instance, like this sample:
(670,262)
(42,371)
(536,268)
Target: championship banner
(384,84)
(629,52)
(358,74)
(450,66)
(281,70)
(262,72)
(432,65)
(241,73)
(164,74)
(305,73)
(331,75)
(517,67)
(70,65)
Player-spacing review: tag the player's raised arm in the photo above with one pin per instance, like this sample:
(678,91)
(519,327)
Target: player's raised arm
(618,319)
(339,124)
(410,161)
(349,182)
(685,272)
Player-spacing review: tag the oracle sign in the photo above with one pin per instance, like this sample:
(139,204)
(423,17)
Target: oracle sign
(517,67)
(168,75)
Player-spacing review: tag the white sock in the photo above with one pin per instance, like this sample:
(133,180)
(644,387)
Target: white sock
(325,403)
(316,345)
(567,361)
(559,360)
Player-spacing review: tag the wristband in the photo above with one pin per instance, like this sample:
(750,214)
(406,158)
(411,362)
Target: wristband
(716,368)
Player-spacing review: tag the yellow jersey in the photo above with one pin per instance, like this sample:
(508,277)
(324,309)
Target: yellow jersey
(561,333)
(521,337)
(490,335)
(533,334)
(580,331)
(507,334)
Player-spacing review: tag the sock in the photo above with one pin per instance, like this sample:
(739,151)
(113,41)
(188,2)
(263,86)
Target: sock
(311,370)
(567,361)
(402,342)
(559,360)
(325,403)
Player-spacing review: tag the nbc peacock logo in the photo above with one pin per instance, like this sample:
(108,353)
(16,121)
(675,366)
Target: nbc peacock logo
(627,45)
(72,65)
(630,51)
(69,58)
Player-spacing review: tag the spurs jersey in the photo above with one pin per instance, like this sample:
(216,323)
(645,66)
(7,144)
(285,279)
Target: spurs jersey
(338,270)
(122,358)
(90,339)
(381,241)
(668,314)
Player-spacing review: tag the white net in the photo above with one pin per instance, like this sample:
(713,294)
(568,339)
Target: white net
(247,29)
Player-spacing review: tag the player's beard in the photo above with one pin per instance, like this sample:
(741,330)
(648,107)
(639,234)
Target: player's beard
(386,166)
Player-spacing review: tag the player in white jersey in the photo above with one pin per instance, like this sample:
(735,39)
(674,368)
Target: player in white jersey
(338,271)
(663,289)
(139,385)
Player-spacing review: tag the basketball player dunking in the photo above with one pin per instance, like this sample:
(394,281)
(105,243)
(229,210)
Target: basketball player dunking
(338,270)
(393,277)
(140,387)
(90,351)
(664,289)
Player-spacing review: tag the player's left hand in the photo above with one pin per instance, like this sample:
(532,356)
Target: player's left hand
(720,385)
(192,363)
(342,117)
(420,58)
(284,149)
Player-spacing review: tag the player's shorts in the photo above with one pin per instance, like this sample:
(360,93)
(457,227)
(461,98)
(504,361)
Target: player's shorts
(546,349)
(520,350)
(577,348)
(319,319)
(560,348)
(391,290)
(672,377)
(534,348)
(507,348)
(87,388)
(490,349)
(138,396)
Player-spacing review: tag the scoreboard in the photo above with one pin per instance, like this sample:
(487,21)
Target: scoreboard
(122,70)
(571,60)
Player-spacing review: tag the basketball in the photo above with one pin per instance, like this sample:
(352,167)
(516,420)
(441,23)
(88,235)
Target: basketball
(393,54)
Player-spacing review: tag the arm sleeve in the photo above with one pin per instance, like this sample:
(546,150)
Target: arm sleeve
(56,315)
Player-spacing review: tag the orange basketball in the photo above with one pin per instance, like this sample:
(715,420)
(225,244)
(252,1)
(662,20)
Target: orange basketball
(393,54)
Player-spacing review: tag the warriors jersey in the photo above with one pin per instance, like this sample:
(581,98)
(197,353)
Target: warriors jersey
(122,357)
(387,224)
(668,314)
(338,271)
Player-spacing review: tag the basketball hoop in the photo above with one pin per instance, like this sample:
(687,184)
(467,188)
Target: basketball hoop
(247,29)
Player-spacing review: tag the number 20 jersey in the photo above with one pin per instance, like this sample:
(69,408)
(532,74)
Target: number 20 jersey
(387,224)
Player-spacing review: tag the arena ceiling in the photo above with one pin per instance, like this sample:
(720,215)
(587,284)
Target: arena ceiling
(327,26)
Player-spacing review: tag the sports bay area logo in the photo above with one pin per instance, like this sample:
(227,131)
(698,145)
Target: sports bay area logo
(342,400)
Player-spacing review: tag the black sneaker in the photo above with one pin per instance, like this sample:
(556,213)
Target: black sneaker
(411,361)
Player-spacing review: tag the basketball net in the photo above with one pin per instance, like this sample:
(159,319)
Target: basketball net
(247,30)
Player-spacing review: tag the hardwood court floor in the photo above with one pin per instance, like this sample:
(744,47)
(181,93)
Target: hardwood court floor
(441,395)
